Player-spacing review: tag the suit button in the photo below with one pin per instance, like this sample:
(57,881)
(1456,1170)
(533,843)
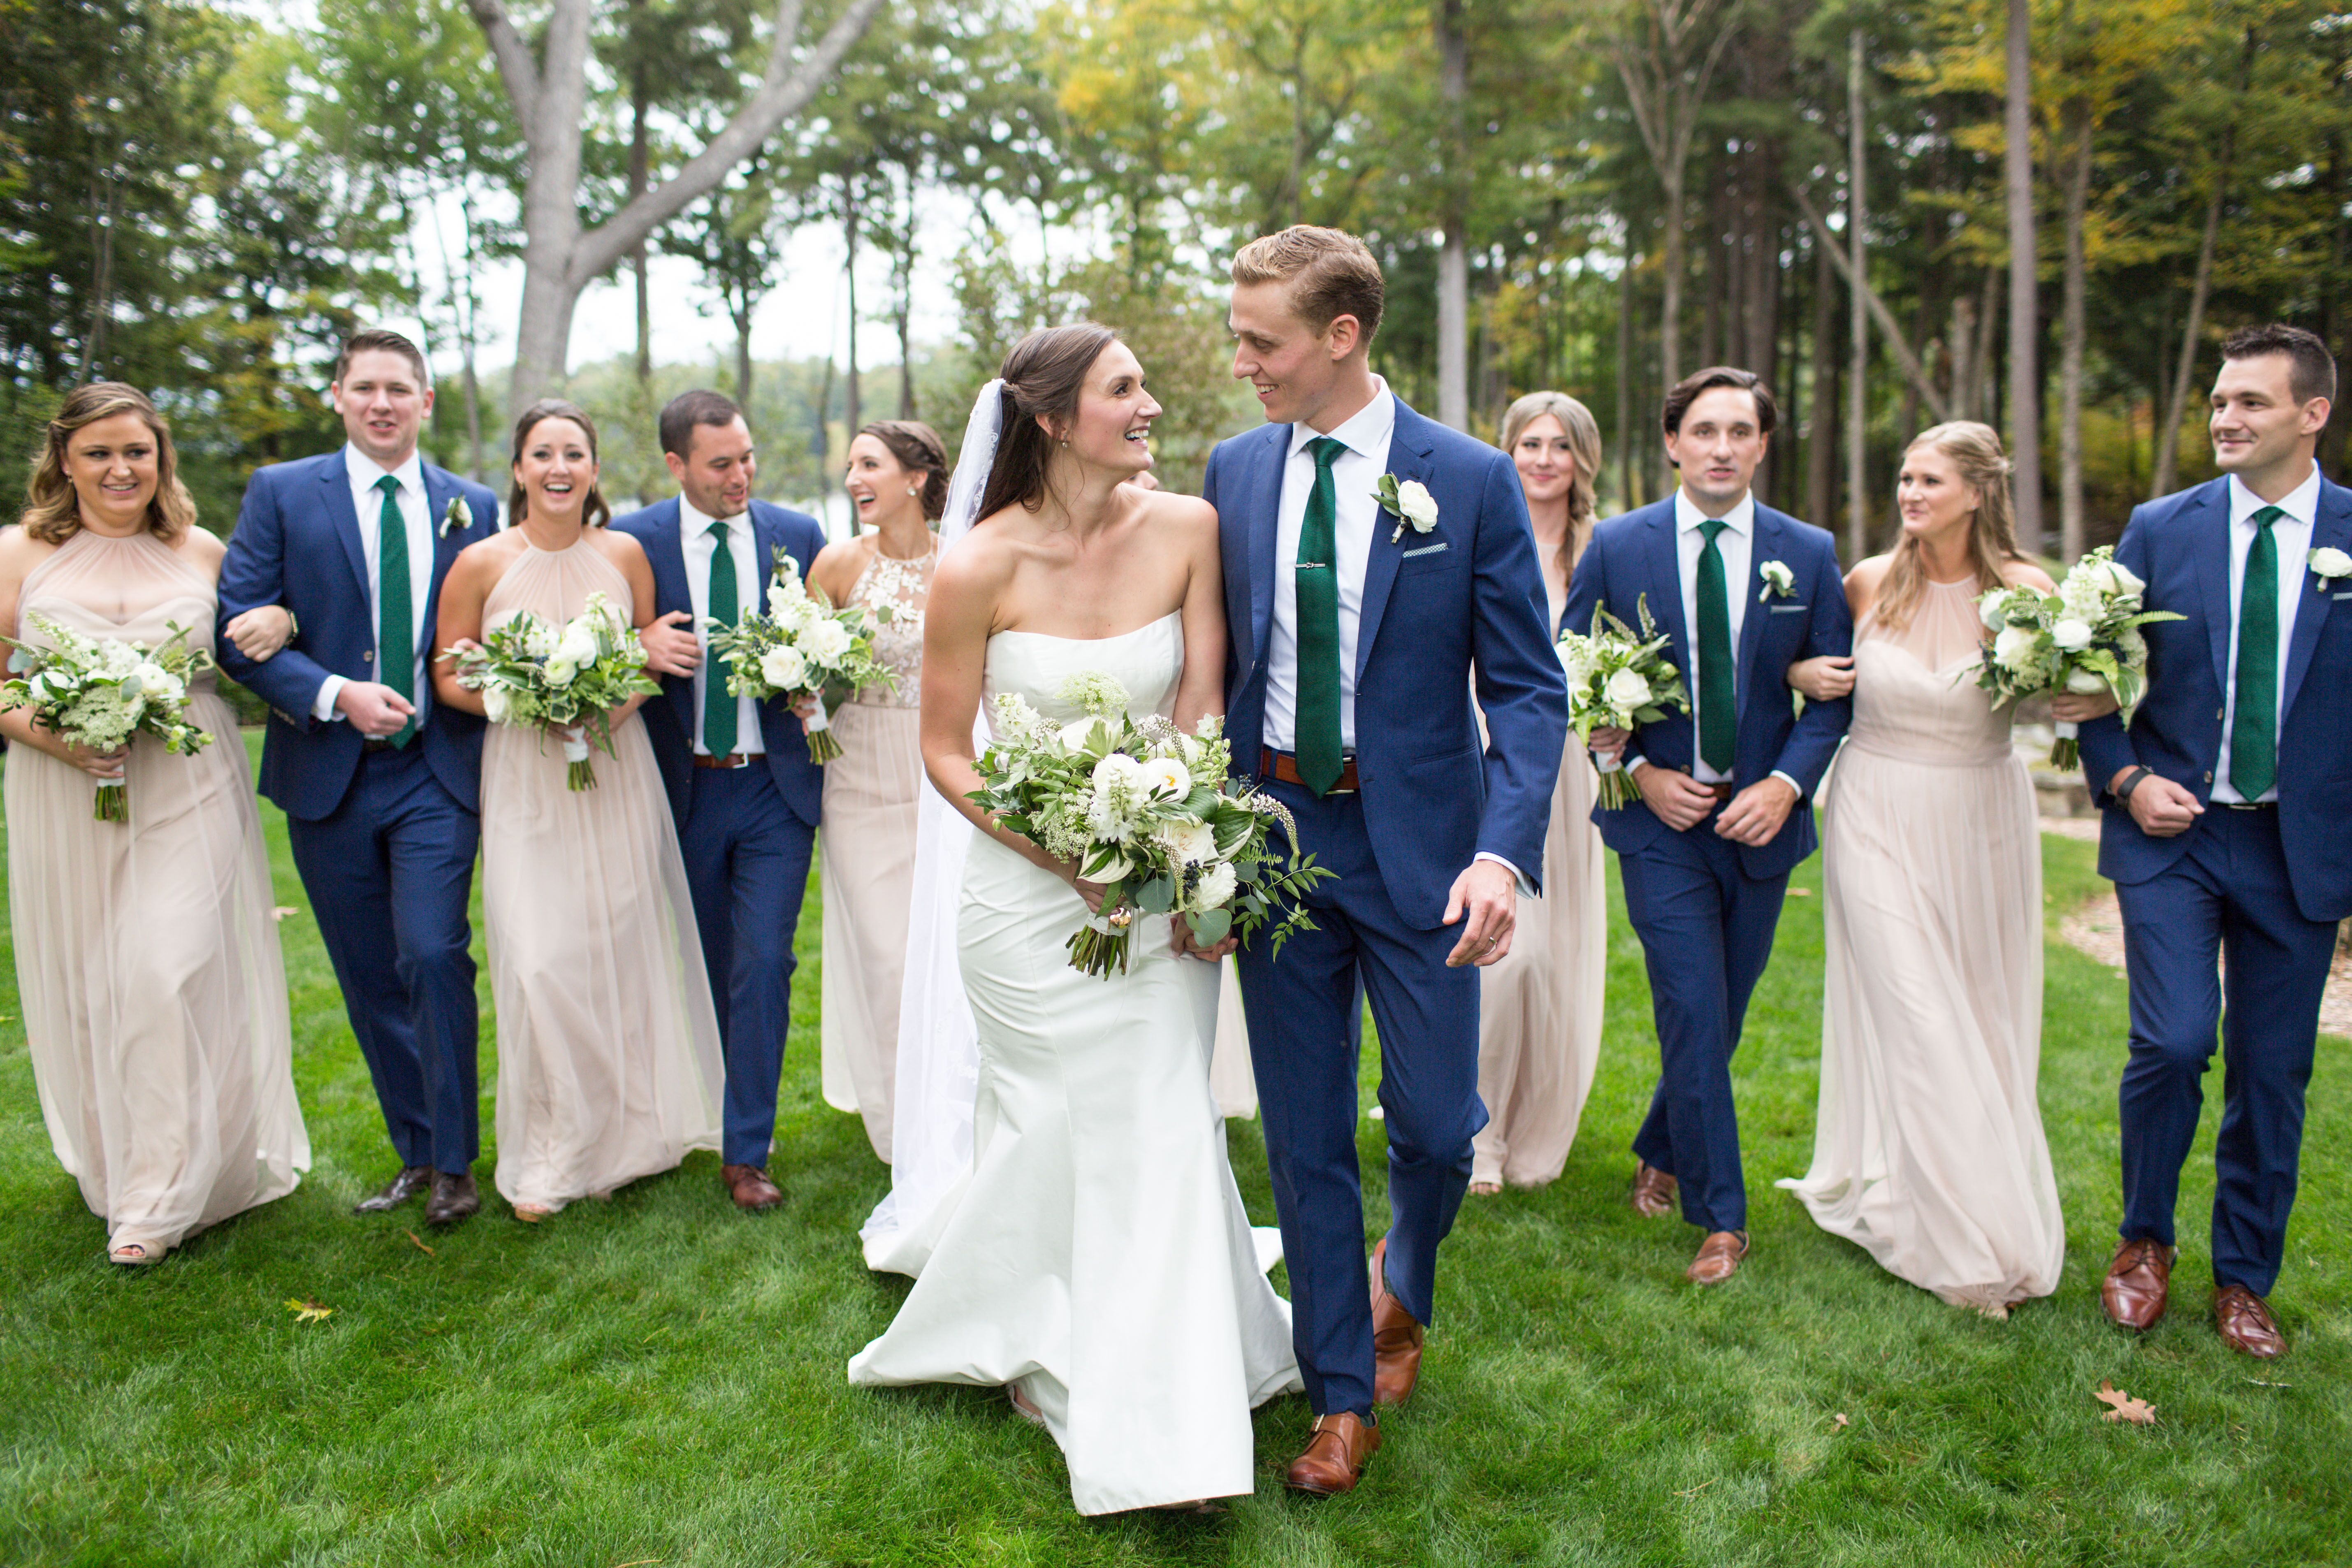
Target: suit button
(368,657)
(2218,713)
(2209,776)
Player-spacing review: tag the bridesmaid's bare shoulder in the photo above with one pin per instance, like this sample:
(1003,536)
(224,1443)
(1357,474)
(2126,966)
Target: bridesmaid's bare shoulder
(621,549)
(1862,584)
(2023,573)
(204,548)
(20,552)
(839,565)
(484,562)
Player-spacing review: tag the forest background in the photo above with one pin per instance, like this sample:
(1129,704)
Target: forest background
(202,198)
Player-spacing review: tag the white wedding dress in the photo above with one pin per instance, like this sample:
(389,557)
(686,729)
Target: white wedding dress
(1098,1253)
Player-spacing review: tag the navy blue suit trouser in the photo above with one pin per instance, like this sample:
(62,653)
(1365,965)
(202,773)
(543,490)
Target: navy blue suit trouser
(2226,897)
(747,865)
(1707,933)
(396,860)
(1303,1007)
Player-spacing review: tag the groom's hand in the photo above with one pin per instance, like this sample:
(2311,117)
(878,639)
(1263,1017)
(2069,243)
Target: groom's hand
(671,647)
(1755,815)
(1490,895)
(2162,808)
(1675,798)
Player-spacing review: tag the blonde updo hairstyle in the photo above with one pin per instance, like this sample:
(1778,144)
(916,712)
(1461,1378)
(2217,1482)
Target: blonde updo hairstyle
(1583,444)
(52,510)
(1975,449)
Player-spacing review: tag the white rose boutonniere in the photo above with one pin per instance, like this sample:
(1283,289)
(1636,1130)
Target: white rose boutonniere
(459,516)
(2330,566)
(1778,581)
(1409,503)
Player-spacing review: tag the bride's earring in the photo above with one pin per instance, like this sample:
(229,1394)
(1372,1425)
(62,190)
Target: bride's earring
(914,490)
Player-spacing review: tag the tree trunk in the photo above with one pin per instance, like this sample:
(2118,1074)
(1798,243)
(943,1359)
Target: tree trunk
(856,418)
(1820,438)
(2024,281)
(640,160)
(1627,497)
(2071,535)
(1857,219)
(1988,316)
(743,357)
(1453,258)
(2167,441)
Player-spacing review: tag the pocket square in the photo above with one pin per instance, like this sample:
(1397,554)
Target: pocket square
(2340,595)
(1424,550)
(1790,609)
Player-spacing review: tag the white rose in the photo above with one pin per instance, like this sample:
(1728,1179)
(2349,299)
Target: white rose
(2014,647)
(2124,582)
(2072,634)
(784,669)
(2085,683)
(1627,691)
(1169,777)
(496,705)
(1994,612)
(577,646)
(2329,562)
(1120,767)
(1420,508)
(1191,842)
(160,685)
(1216,886)
(560,670)
(826,640)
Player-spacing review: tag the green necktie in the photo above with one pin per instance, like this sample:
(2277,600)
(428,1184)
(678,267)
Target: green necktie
(395,621)
(1718,718)
(1318,739)
(717,705)
(2253,729)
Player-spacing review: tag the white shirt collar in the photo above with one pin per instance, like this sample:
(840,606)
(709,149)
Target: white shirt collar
(366,470)
(696,522)
(1740,518)
(2300,504)
(1364,431)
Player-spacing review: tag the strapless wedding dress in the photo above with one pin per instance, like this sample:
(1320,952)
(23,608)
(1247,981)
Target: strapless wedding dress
(1098,1253)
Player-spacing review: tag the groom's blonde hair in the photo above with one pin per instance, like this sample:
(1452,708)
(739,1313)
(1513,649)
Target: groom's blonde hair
(1331,274)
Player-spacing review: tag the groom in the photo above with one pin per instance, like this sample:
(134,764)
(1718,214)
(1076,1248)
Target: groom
(2225,834)
(1725,813)
(378,782)
(742,792)
(1355,634)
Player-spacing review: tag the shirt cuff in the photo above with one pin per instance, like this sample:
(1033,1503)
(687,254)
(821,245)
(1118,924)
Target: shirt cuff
(323,706)
(1791,783)
(1635,760)
(1526,889)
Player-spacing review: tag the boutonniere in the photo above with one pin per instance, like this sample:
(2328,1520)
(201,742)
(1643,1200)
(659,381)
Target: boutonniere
(1778,581)
(2329,565)
(459,516)
(1409,503)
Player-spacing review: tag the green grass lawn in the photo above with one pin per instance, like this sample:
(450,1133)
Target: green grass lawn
(660,1380)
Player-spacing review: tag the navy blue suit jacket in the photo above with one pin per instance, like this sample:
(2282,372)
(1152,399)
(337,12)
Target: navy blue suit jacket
(2179,545)
(1463,599)
(1633,555)
(297,545)
(670,724)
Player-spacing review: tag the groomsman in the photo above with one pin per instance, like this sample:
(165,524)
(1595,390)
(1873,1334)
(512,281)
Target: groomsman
(2225,831)
(378,782)
(741,788)
(1725,814)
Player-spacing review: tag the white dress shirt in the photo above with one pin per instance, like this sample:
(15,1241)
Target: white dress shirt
(2291,535)
(1356,513)
(417,513)
(1734,543)
(701,546)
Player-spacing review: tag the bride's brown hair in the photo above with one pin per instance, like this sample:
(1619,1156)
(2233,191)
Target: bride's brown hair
(593,512)
(1043,377)
(52,510)
(1975,450)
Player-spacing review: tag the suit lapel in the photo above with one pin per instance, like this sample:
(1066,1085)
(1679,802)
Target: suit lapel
(1763,545)
(767,538)
(2209,522)
(1408,448)
(2331,528)
(667,555)
(1666,574)
(344,518)
(1264,523)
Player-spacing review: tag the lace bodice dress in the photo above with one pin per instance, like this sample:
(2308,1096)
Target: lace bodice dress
(147,954)
(1928,1151)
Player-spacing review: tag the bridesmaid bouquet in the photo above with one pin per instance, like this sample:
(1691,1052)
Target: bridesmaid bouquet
(568,677)
(2083,639)
(1615,681)
(801,647)
(1144,809)
(100,693)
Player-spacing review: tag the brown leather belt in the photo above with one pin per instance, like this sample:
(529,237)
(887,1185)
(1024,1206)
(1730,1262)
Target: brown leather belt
(732,760)
(1721,791)
(377,743)
(1284,765)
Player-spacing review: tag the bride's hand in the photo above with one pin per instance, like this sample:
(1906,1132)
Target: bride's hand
(1180,938)
(1091,891)
(106,767)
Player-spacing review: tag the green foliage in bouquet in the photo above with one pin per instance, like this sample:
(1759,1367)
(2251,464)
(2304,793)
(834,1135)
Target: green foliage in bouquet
(802,646)
(2083,639)
(103,694)
(1618,680)
(567,678)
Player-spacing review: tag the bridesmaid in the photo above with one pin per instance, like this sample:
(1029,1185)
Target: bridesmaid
(1539,1006)
(897,479)
(147,957)
(1928,1151)
(609,1064)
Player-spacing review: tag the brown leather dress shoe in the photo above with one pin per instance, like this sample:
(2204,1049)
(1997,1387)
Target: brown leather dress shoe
(411,1180)
(751,1187)
(1654,1192)
(1396,1339)
(1335,1456)
(1718,1257)
(2245,1324)
(453,1198)
(2137,1282)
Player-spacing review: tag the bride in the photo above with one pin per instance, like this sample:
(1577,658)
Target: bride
(1097,1261)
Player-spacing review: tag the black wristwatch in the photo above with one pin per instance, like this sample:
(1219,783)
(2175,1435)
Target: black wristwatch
(2131,781)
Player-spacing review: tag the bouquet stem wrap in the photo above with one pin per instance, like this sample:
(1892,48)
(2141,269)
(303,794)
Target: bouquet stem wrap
(822,744)
(2066,751)
(579,771)
(113,801)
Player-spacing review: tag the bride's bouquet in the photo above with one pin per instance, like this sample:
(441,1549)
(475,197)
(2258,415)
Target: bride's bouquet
(2083,639)
(800,647)
(1617,680)
(1144,809)
(101,693)
(568,677)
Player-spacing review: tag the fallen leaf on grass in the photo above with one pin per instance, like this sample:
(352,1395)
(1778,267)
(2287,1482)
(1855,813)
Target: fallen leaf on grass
(1696,1490)
(308,1311)
(2126,1408)
(1839,1422)
(282,911)
(420,1246)
(1801,893)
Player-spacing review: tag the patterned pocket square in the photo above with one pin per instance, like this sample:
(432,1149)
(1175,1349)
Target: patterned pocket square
(1424,550)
